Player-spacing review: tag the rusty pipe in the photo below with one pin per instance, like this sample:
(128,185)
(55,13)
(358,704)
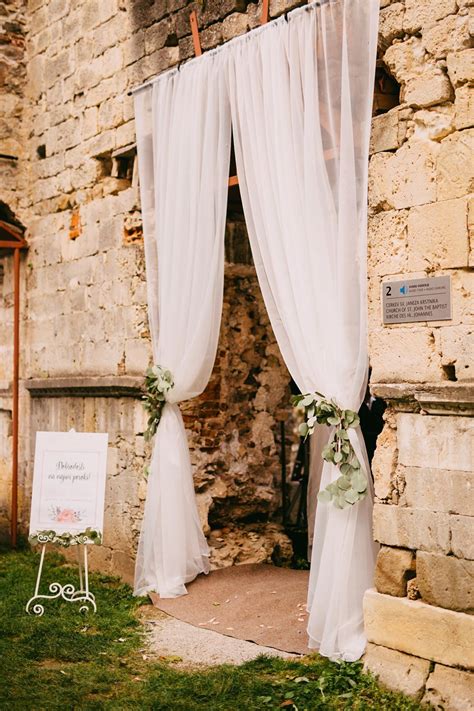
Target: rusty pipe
(15,392)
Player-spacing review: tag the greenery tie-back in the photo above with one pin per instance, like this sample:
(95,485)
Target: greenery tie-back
(351,486)
(347,490)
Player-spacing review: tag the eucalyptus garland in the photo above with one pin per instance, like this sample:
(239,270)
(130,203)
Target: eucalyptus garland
(90,535)
(351,486)
(158,383)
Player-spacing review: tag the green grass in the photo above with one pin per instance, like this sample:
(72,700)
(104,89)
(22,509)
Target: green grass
(64,660)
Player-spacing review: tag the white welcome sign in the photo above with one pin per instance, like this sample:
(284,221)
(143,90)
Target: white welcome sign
(67,505)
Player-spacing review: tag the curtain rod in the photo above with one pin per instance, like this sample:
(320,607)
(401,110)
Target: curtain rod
(285,17)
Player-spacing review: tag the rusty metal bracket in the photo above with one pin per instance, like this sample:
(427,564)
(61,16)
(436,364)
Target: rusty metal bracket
(195,33)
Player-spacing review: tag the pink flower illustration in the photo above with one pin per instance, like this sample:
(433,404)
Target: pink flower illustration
(56,513)
(66,516)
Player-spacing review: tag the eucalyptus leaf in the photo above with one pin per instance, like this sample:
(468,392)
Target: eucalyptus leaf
(359,483)
(324,496)
(303,429)
(344,483)
(356,421)
(351,496)
(352,484)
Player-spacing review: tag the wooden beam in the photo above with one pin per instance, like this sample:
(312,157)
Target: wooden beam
(195,33)
(11,230)
(6,244)
(264,16)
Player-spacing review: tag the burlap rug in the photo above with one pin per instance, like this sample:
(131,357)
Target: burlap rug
(259,603)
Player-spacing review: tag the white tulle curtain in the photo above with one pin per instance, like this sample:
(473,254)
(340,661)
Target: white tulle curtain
(301,96)
(183,140)
(299,91)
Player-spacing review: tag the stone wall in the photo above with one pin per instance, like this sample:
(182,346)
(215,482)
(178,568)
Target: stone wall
(419,618)
(85,302)
(12,200)
(12,85)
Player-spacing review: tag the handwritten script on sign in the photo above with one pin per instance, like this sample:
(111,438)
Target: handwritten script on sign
(67,505)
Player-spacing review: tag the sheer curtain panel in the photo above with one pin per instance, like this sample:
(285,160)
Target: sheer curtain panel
(301,95)
(183,142)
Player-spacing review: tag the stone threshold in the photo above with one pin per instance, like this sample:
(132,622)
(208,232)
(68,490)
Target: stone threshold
(94,386)
(433,399)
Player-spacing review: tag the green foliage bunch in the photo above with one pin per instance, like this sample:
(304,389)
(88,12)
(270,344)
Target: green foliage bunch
(158,383)
(66,539)
(351,486)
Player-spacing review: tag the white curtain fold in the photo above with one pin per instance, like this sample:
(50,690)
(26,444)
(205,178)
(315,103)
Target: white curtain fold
(301,95)
(299,92)
(183,142)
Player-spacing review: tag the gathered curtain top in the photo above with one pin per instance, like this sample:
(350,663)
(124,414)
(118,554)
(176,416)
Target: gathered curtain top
(246,37)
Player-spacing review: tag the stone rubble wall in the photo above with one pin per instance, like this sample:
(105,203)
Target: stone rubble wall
(419,617)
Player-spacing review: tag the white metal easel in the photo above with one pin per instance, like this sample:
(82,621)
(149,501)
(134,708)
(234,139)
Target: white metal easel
(67,592)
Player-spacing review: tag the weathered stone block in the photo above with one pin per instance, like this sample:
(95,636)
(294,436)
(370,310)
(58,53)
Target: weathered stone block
(433,124)
(234,25)
(403,354)
(435,442)
(449,689)
(397,671)
(385,460)
(424,13)
(157,35)
(438,236)
(115,31)
(380,197)
(391,24)
(388,242)
(393,568)
(457,349)
(417,529)
(461,67)
(438,490)
(462,283)
(277,7)
(110,113)
(448,35)
(462,538)
(406,60)
(416,628)
(445,581)
(389,130)
(464,107)
(211,37)
(470,227)
(406,178)
(215,10)
(412,174)
(428,90)
(454,174)
(137,355)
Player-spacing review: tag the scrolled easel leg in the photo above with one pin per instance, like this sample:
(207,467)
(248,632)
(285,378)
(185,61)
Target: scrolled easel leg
(67,592)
